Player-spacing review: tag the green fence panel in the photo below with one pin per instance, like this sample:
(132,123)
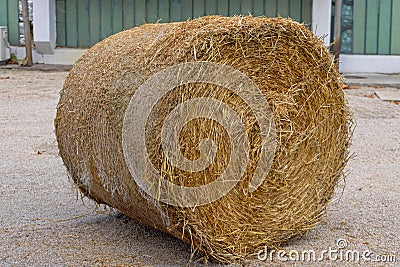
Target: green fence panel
(94,22)
(385,10)
(375,27)
(60,22)
(234,7)
(140,12)
(13,22)
(151,11)
(246,7)
(117,16)
(395,28)
(372,23)
(223,7)
(163,10)
(295,10)
(129,18)
(359,9)
(283,8)
(187,7)
(270,8)
(105,18)
(3,12)
(306,11)
(258,8)
(175,10)
(211,7)
(82,23)
(71,21)
(9,16)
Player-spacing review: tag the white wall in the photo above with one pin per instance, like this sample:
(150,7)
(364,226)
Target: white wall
(61,56)
(44,25)
(321,19)
(369,64)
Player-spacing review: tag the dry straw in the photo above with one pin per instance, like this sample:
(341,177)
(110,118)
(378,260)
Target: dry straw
(298,78)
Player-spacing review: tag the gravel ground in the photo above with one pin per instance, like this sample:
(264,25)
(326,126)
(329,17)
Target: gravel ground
(43,222)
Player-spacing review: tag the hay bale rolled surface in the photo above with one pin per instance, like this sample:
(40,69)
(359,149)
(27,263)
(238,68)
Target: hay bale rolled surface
(294,72)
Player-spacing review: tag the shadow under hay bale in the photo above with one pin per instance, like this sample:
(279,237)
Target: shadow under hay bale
(296,75)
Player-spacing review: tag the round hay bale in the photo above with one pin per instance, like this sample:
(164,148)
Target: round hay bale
(307,133)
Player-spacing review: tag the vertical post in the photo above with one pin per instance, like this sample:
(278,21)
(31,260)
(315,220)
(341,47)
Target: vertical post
(44,26)
(27,34)
(337,28)
(321,19)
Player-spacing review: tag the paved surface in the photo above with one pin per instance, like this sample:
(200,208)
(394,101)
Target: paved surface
(38,67)
(43,223)
(377,80)
(388,94)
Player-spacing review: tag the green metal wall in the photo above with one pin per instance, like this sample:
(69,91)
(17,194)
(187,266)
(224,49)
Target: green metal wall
(9,16)
(376,27)
(82,23)
(371,27)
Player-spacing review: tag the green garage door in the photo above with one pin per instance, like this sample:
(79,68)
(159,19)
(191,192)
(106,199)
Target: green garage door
(82,23)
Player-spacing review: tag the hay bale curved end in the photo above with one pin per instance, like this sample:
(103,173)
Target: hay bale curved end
(294,72)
